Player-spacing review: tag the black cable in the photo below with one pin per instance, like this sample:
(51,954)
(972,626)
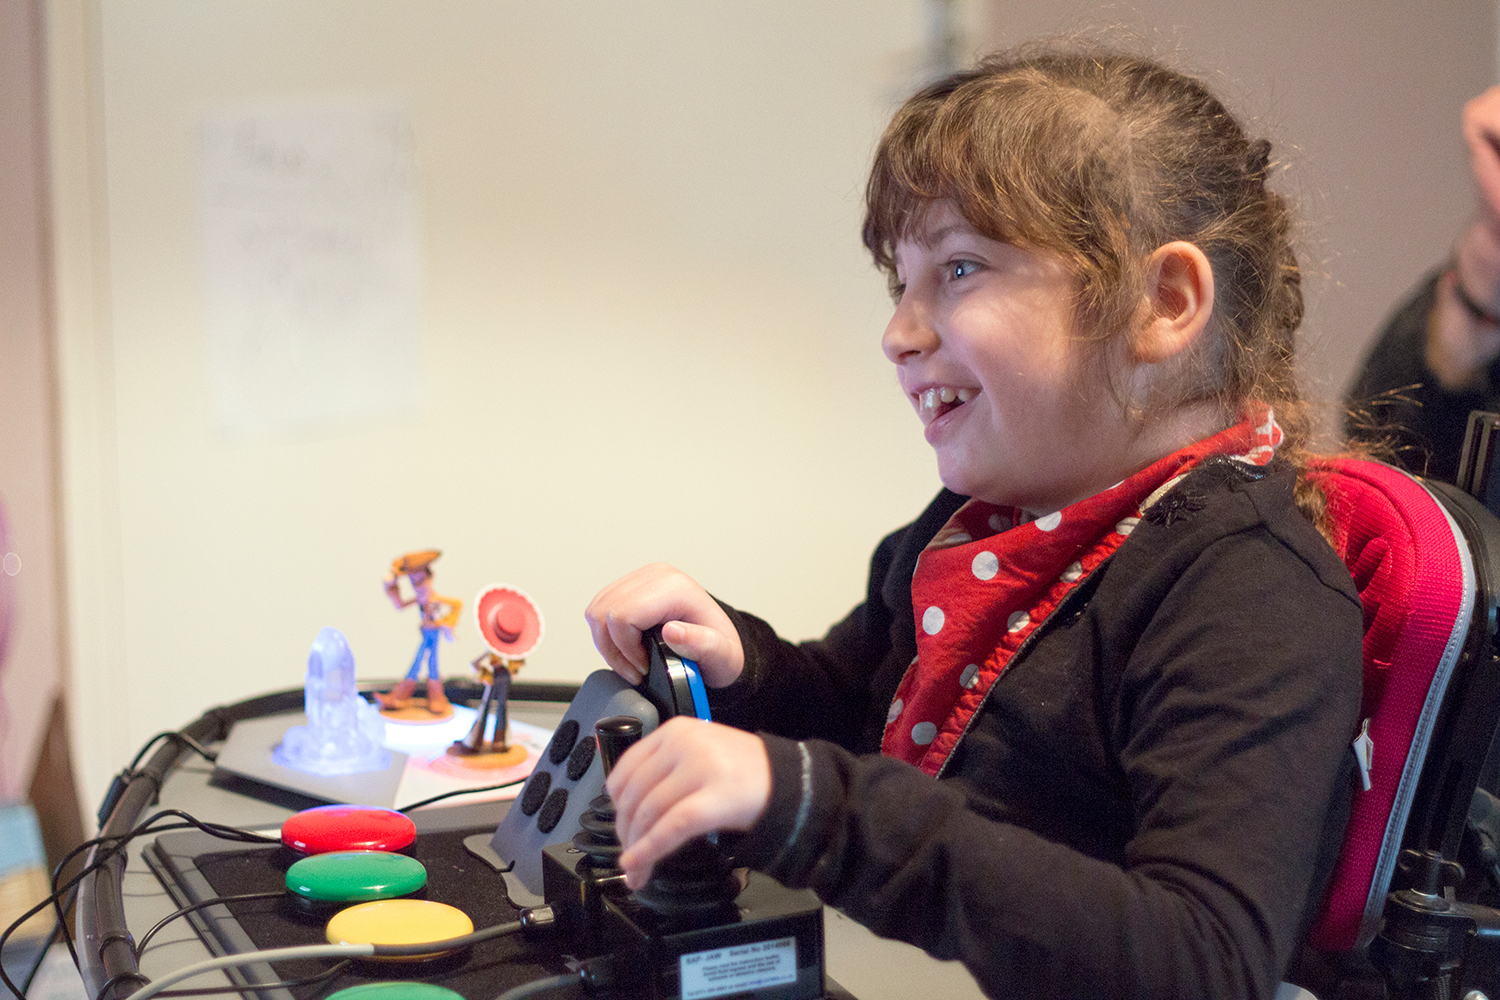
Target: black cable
(539,986)
(285,984)
(38,908)
(41,958)
(70,889)
(140,946)
(116,844)
(100,904)
(182,738)
(458,791)
(119,977)
(213,829)
(123,780)
(60,919)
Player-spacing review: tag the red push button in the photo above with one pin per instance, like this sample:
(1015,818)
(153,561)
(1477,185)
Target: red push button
(348,828)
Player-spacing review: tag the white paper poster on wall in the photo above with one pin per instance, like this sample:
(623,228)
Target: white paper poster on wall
(311,266)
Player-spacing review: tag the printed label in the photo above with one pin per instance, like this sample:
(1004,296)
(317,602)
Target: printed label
(739,969)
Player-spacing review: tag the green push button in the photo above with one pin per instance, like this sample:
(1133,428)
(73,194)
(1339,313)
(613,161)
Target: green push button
(355,877)
(396,991)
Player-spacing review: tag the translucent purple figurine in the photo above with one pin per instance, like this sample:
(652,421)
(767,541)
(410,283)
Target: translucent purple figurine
(344,732)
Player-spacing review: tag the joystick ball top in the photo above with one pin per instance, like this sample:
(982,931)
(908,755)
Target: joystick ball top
(616,734)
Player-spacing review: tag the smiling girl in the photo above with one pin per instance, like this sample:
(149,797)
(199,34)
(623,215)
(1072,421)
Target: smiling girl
(1088,730)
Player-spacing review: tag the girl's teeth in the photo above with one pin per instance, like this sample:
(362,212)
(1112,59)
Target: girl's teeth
(934,397)
(931,399)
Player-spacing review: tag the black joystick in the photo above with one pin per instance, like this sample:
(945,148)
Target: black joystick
(696,910)
(616,734)
(596,837)
(695,884)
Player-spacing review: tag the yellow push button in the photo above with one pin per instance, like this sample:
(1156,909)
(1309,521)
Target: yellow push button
(399,921)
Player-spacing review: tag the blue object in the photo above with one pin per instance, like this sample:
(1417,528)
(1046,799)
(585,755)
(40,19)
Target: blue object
(20,840)
(695,686)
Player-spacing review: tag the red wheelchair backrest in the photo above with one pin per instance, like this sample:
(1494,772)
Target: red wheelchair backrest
(1416,580)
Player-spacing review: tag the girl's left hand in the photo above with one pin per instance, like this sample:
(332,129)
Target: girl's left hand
(686,779)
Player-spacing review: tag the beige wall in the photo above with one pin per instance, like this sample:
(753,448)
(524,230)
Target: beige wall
(643,289)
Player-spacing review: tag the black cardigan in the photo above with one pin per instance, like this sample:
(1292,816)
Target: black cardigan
(1148,802)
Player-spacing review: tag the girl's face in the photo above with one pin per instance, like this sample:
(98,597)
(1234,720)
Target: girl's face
(985,349)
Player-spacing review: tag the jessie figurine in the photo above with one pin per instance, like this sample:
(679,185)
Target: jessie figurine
(439,614)
(510,624)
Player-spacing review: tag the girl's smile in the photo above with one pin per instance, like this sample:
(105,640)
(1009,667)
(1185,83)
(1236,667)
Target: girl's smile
(934,402)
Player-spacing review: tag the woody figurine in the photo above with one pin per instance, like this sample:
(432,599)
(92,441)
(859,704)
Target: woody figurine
(439,614)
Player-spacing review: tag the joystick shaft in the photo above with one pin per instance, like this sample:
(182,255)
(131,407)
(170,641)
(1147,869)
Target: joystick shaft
(596,837)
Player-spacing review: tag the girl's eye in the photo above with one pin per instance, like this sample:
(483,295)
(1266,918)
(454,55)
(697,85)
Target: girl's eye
(897,289)
(961,269)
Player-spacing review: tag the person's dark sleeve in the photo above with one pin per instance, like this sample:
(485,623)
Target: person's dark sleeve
(1231,728)
(1397,401)
(835,688)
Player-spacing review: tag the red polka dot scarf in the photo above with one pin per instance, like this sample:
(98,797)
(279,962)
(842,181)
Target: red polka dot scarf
(986,581)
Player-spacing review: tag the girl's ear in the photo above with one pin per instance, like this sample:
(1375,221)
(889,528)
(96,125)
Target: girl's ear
(1179,302)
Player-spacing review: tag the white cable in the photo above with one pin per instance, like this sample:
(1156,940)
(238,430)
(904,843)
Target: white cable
(245,958)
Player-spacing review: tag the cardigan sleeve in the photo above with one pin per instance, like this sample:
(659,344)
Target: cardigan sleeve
(1227,719)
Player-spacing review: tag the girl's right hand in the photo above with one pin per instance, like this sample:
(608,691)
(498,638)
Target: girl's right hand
(693,624)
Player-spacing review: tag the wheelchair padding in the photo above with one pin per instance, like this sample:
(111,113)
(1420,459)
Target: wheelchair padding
(1415,578)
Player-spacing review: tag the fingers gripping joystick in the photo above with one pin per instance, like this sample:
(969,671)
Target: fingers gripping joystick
(694,884)
(696,928)
(597,837)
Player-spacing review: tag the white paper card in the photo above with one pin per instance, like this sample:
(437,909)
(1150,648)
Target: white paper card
(310,266)
(738,969)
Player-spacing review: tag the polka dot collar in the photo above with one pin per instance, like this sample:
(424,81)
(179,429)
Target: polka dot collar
(988,579)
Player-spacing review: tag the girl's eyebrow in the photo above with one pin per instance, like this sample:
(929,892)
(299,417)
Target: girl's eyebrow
(953,228)
(931,240)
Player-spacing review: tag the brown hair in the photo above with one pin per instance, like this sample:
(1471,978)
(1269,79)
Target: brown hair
(1100,157)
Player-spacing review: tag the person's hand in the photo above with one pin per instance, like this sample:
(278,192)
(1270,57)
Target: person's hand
(692,623)
(1482,132)
(1459,347)
(1476,256)
(686,779)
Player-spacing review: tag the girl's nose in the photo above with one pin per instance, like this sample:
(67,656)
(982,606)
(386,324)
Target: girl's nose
(910,332)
